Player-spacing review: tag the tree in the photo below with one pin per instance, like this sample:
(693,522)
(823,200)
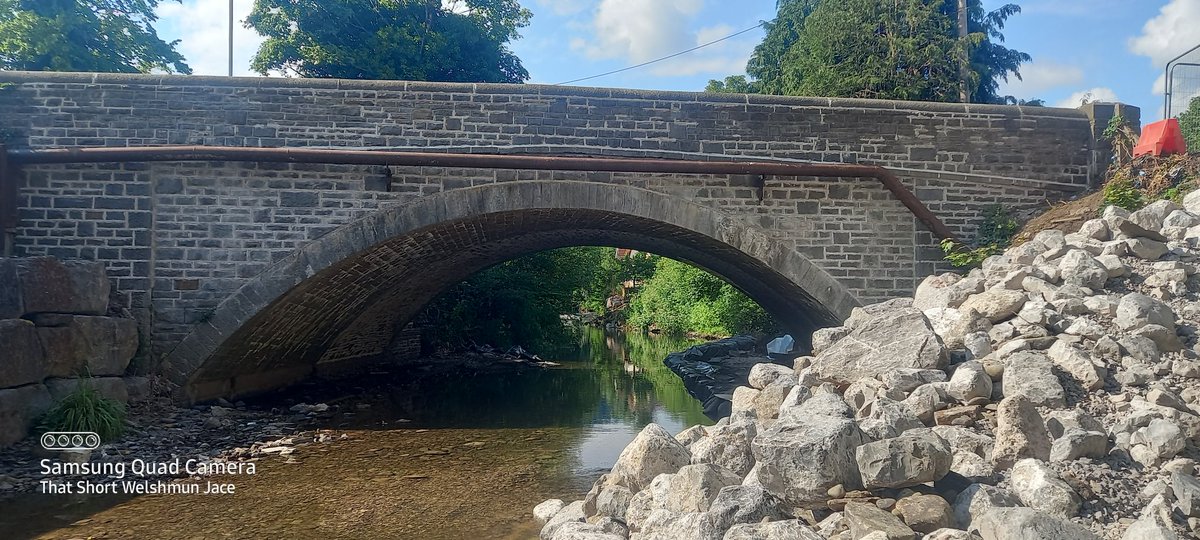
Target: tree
(736,84)
(84,35)
(421,40)
(898,49)
(1189,123)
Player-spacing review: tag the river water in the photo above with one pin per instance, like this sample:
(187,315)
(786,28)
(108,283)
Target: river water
(447,454)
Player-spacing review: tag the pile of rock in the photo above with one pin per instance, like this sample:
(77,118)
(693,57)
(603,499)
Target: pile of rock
(54,329)
(1053,393)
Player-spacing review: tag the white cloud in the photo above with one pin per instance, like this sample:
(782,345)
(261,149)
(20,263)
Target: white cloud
(1174,30)
(637,31)
(1040,76)
(1099,93)
(203,32)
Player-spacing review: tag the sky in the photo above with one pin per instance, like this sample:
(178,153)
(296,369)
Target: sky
(1108,50)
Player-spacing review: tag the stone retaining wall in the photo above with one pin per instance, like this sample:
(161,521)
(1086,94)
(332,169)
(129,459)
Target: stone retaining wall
(54,329)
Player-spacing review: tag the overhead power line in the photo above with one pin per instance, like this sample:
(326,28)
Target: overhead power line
(667,57)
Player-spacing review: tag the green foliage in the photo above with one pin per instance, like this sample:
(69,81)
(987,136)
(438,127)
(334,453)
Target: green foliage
(84,409)
(681,298)
(736,84)
(608,275)
(903,49)
(516,302)
(995,233)
(419,40)
(1189,123)
(1175,193)
(962,256)
(1122,137)
(84,35)
(1121,192)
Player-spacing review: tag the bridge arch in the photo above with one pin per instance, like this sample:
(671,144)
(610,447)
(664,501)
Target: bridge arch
(347,290)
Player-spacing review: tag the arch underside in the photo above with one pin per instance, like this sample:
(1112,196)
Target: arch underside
(353,291)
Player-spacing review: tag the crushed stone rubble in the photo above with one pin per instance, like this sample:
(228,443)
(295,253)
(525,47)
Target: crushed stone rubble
(1053,393)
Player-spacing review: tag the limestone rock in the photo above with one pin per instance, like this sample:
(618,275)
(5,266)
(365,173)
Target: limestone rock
(1137,310)
(775,530)
(1029,374)
(867,518)
(995,304)
(971,451)
(1079,268)
(1029,524)
(906,380)
(884,419)
(567,514)
(1078,364)
(51,285)
(728,446)
(915,457)
(20,407)
(1148,249)
(1149,528)
(89,345)
(546,509)
(764,374)
(823,338)
(1020,432)
(743,399)
(1159,441)
(978,499)
(691,434)
(1187,492)
(923,513)
(1038,486)
(652,452)
(802,456)
(900,338)
(746,504)
(969,381)
(23,360)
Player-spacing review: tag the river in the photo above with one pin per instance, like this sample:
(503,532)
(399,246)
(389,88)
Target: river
(459,454)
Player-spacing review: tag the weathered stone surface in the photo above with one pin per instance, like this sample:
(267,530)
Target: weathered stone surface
(915,457)
(969,381)
(972,452)
(1029,374)
(1186,489)
(1079,268)
(89,345)
(1038,486)
(746,504)
(1149,528)
(1077,363)
(547,508)
(19,408)
(743,399)
(691,434)
(776,530)
(727,446)
(977,499)
(667,525)
(867,518)
(906,380)
(652,452)
(924,513)
(1020,432)
(951,534)
(764,374)
(1148,249)
(1157,442)
(570,513)
(1029,524)
(939,291)
(695,486)
(51,285)
(801,457)
(110,387)
(884,419)
(899,338)
(767,403)
(1137,310)
(995,304)
(23,360)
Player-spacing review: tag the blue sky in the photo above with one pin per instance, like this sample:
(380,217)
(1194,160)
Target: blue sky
(1108,49)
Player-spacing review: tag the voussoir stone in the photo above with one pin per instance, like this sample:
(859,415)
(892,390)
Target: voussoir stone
(900,338)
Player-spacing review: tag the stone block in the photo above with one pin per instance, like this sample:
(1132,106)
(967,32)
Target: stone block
(95,346)
(109,387)
(50,285)
(19,408)
(22,360)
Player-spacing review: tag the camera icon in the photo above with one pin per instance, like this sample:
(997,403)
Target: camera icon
(70,440)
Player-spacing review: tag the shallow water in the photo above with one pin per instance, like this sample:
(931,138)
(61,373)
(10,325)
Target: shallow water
(461,454)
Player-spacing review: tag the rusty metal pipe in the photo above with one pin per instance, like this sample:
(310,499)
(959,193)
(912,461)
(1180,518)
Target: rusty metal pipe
(481,161)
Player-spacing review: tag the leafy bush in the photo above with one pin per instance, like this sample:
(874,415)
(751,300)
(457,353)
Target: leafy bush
(1122,137)
(86,410)
(1122,192)
(994,234)
(1189,124)
(680,298)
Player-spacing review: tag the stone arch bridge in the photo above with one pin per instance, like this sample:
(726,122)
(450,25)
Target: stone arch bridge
(246,273)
